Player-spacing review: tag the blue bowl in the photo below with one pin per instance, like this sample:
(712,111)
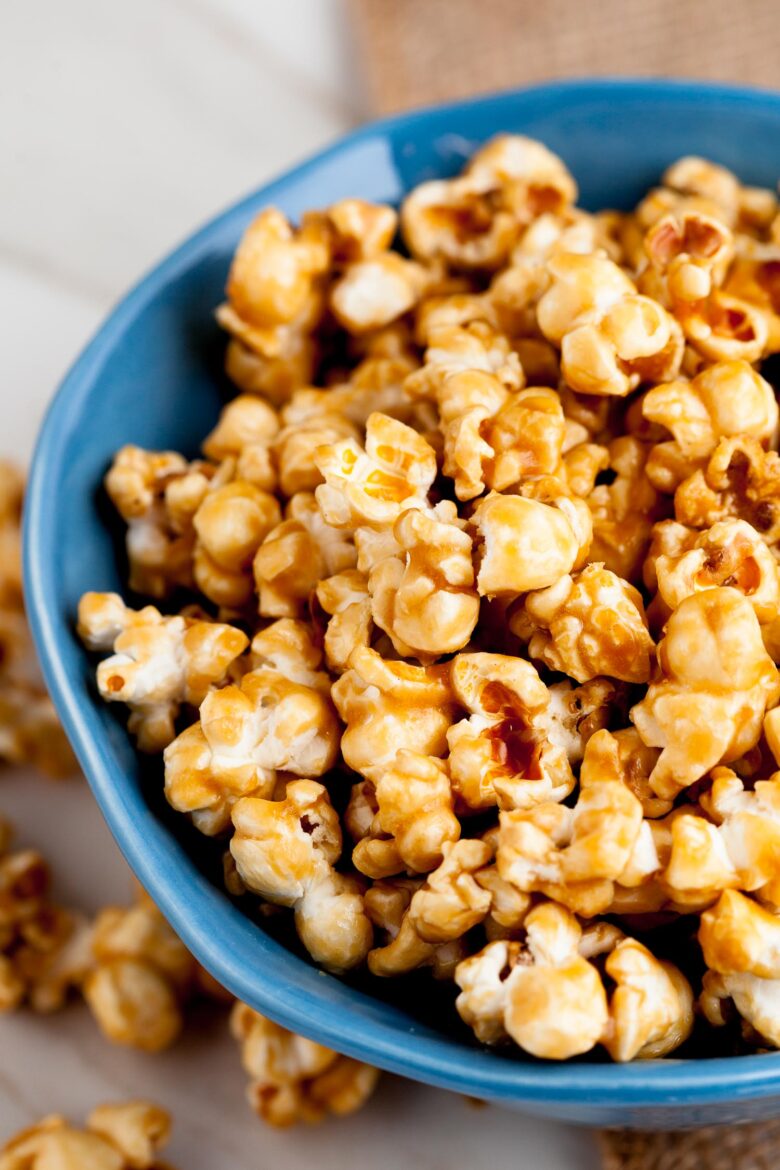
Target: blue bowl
(152,376)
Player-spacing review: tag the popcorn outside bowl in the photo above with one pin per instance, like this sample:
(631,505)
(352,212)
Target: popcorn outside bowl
(153,376)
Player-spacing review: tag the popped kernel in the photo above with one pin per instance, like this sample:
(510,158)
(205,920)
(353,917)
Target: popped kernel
(506,752)
(388,706)
(124,1136)
(716,681)
(425,598)
(279,717)
(293,1079)
(345,600)
(245,432)
(230,525)
(524,544)
(296,556)
(624,510)
(156,663)
(588,625)
(285,851)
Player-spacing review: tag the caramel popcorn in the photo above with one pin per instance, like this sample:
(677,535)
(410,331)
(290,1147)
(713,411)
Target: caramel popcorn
(116,1137)
(508,751)
(716,682)
(279,717)
(158,663)
(293,1079)
(472,614)
(285,850)
(588,625)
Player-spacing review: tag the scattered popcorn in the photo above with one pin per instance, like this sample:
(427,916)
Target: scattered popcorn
(293,1079)
(116,1137)
(469,626)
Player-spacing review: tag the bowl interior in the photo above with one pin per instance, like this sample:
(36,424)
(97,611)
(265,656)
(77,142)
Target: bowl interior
(153,376)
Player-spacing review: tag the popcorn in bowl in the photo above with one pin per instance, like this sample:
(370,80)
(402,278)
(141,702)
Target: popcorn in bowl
(462,636)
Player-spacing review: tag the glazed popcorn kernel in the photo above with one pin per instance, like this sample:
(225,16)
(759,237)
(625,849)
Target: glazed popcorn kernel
(293,1079)
(469,620)
(158,663)
(125,1136)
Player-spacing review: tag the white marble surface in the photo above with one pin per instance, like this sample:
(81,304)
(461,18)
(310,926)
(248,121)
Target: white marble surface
(121,127)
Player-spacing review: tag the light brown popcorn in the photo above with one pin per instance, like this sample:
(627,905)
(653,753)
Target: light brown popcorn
(524,544)
(715,682)
(552,1001)
(157,494)
(230,525)
(140,978)
(158,663)
(372,293)
(725,399)
(290,363)
(582,463)
(346,601)
(296,556)
(588,625)
(42,947)
(476,348)
(285,851)
(388,706)
(473,221)
(414,818)
(357,228)
(278,718)
(577,713)
(740,480)
(732,553)
(621,755)
(508,752)
(611,338)
(747,208)
(387,905)
(373,486)
(624,510)
(689,256)
(740,850)
(245,432)
(273,276)
(439,913)
(754,278)
(124,1136)
(575,855)
(294,1079)
(508,906)
(425,598)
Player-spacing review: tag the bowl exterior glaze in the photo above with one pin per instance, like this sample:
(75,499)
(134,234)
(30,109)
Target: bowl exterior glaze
(152,376)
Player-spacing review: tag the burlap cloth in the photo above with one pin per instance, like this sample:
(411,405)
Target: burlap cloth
(413,52)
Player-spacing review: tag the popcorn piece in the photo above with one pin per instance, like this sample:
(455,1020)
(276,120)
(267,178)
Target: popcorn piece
(740,480)
(611,338)
(116,1137)
(245,432)
(725,399)
(346,600)
(621,755)
(413,821)
(358,229)
(278,717)
(741,945)
(157,494)
(157,663)
(425,597)
(42,951)
(289,363)
(285,851)
(141,977)
(296,555)
(373,486)
(716,681)
(731,553)
(388,706)
(574,855)
(439,913)
(294,1079)
(372,293)
(588,625)
(547,996)
(474,221)
(506,752)
(526,544)
(230,525)
(542,993)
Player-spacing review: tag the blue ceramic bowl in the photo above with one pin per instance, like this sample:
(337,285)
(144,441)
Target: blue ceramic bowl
(152,376)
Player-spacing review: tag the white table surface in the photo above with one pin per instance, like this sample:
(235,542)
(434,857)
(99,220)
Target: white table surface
(121,127)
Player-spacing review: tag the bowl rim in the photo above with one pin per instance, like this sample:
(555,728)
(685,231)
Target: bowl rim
(670,1082)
